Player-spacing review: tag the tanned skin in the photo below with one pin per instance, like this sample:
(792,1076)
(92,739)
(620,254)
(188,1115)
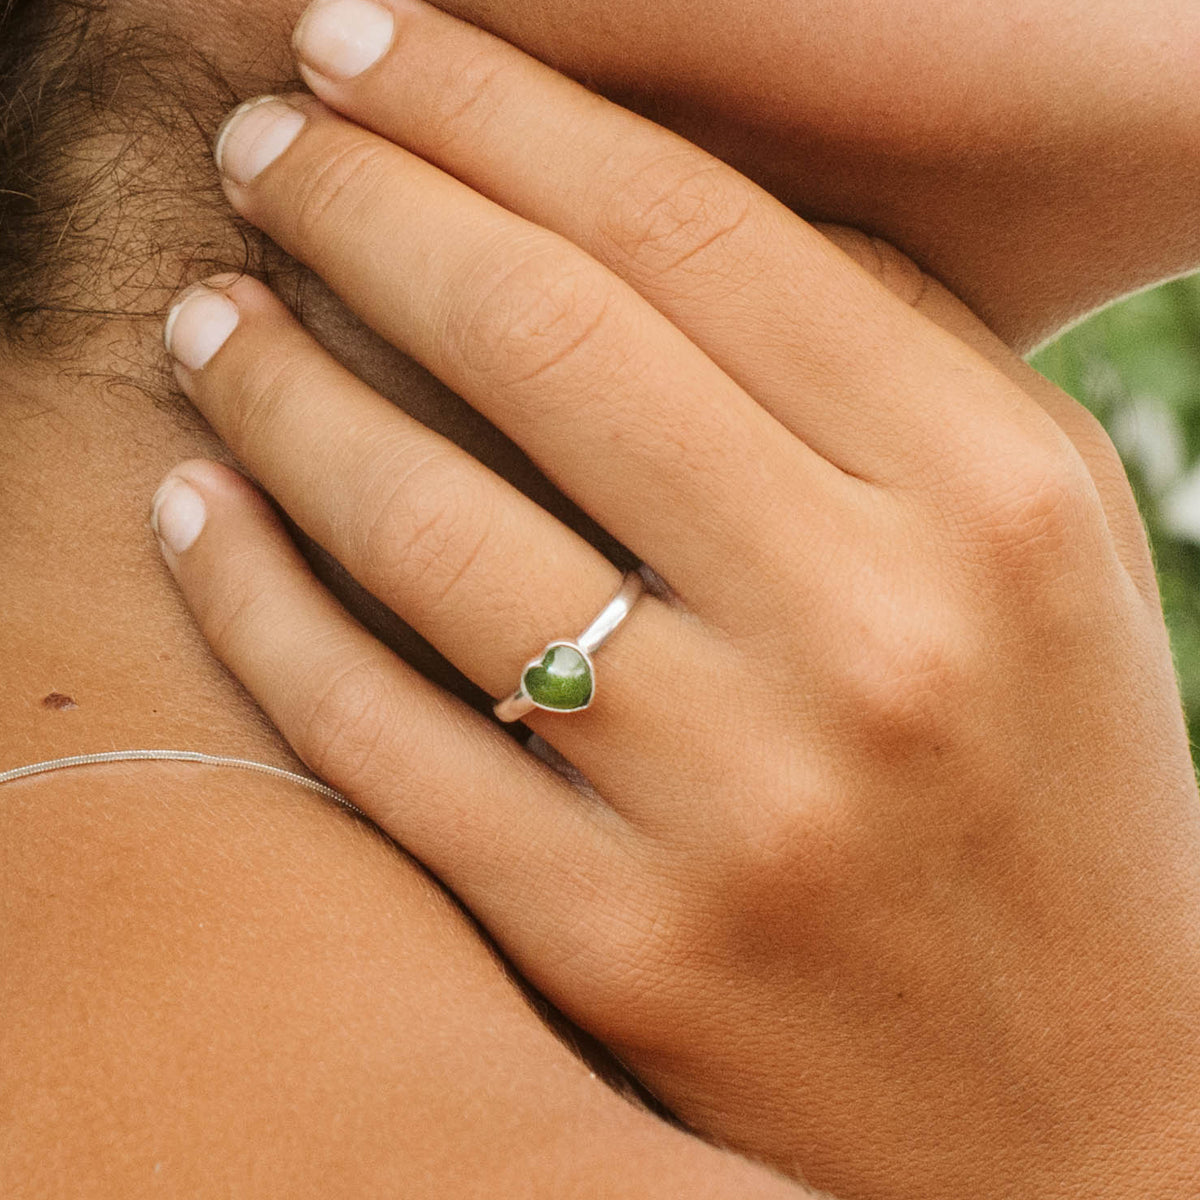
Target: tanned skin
(219,985)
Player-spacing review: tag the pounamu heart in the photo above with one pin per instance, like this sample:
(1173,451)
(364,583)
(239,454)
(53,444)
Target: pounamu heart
(562,681)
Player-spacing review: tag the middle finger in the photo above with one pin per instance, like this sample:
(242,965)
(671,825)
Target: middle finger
(817,340)
(615,404)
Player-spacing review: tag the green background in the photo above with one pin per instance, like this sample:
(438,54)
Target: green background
(1136,365)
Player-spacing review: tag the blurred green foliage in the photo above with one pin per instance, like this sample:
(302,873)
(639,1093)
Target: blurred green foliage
(1136,365)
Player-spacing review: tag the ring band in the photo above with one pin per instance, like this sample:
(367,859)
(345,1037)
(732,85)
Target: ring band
(562,679)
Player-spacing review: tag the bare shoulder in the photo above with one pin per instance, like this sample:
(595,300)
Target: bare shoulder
(224,986)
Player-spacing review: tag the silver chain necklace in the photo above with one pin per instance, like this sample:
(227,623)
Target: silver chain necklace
(187,756)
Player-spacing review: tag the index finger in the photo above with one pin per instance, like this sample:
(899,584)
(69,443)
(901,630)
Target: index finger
(817,340)
(766,295)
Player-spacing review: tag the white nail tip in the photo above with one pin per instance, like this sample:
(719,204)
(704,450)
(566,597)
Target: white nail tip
(255,136)
(343,38)
(177,515)
(199,325)
(229,122)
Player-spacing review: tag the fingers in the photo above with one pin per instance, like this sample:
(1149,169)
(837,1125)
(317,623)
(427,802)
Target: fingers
(618,407)
(1087,435)
(844,363)
(479,570)
(790,318)
(507,834)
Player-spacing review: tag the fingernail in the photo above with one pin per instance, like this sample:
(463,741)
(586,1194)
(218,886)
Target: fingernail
(342,38)
(177,514)
(199,325)
(255,135)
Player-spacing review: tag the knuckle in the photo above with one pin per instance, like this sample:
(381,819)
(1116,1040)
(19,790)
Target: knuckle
(1039,514)
(773,843)
(881,260)
(325,201)
(343,725)
(525,320)
(786,852)
(475,97)
(267,385)
(673,210)
(1045,554)
(905,688)
(233,611)
(428,529)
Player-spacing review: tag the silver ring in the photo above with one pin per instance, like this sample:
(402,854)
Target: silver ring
(562,679)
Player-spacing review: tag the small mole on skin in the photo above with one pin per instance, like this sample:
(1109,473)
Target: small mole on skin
(58,702)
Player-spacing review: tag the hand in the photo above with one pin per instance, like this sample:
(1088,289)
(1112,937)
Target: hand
(1039,160)
(886,872)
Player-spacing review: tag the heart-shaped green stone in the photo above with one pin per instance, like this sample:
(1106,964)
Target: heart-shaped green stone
(561,682)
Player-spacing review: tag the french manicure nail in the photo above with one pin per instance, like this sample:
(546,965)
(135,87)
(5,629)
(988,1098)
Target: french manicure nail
(255,135)
(177,514)
(199,325)
(342,38)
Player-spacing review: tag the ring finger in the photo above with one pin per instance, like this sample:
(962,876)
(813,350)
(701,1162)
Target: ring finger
(478,569)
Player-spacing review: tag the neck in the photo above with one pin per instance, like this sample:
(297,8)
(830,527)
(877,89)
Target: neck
(89,611)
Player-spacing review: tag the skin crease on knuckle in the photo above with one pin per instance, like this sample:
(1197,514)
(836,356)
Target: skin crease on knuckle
(668,212)
(521,315)
(480,83)
(347,718)
(346,183)
(225,612)
(246,409)
(428,530)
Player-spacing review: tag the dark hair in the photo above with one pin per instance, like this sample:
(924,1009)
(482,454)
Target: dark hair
(104,132)
(33,66)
